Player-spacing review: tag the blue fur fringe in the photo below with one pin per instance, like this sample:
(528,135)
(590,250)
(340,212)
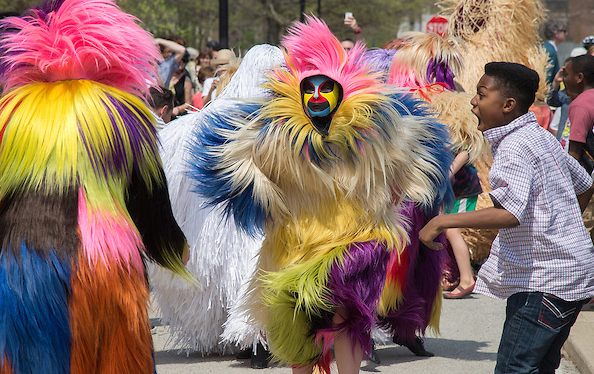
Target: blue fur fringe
(212,182)
(34,314)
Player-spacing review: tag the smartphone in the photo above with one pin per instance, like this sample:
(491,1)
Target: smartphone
(347,15)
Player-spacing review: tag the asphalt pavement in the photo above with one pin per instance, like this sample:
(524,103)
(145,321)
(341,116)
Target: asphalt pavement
(469,336)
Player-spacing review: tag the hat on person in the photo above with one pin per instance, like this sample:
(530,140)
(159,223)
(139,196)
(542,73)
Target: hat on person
(578,51)
(186,57)
(224,56)
(588,41)
(193,53)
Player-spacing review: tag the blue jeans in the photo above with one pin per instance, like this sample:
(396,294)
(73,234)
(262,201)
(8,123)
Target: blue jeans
(536,326)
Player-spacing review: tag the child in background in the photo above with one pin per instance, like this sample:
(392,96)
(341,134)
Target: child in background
(467,187)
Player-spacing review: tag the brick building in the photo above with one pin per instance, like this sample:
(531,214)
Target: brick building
(579,15)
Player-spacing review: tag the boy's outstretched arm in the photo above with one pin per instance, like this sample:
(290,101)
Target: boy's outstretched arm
(488,218)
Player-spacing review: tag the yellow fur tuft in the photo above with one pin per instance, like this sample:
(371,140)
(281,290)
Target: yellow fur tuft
(43,146)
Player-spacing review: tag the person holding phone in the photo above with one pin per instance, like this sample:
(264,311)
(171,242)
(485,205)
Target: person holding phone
(351,22)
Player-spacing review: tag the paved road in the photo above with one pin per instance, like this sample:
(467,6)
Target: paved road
(470,332)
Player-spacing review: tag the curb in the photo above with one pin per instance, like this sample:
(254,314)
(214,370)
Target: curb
(580,344)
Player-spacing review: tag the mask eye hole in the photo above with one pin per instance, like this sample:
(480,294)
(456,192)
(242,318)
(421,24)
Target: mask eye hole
(327,87)
(309,88)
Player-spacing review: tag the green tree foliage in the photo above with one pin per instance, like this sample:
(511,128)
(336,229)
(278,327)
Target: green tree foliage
(380,20)
(196,21)
(16,6)
(262,21)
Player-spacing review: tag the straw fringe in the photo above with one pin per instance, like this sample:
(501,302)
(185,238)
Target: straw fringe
(497,30)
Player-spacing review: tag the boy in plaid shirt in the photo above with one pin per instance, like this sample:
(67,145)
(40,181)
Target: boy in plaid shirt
(542,260)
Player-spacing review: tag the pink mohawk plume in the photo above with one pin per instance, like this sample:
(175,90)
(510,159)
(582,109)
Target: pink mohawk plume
(313,49)
(77,39)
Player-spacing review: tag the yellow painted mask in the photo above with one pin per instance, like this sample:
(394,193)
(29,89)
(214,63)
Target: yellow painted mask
(321,97)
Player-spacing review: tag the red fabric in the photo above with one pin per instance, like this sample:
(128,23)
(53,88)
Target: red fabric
(543,115)
(581,116)
(197,100)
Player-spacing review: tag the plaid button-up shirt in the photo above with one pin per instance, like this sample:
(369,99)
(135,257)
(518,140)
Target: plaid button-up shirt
(537,181)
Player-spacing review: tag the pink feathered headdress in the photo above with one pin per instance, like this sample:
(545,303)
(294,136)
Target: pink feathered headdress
(77,39)
(314,50)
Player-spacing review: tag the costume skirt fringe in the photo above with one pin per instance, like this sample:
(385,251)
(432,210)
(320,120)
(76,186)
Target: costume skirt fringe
(222,259)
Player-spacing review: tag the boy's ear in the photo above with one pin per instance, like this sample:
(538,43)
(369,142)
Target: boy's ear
(163,110)
(579,78)
(509,105)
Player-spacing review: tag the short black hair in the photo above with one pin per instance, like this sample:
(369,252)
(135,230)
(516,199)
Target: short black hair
(516,81)
(584,64)
(214,45)
(159,97)
(186,57)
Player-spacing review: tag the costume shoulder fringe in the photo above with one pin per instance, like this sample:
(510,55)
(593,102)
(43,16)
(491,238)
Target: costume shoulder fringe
(454,110)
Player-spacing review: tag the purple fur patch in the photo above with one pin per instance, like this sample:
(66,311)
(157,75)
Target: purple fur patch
(356,285)
(423,280)
(141,138)
(380,60)
(440,73)
(450,267)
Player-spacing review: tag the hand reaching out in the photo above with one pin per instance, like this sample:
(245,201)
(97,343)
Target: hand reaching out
(429,232)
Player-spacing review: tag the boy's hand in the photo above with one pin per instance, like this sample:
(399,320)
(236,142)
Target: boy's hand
(430,231)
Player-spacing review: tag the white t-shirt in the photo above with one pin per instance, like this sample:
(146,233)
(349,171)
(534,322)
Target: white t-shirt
(206,88)
(555,126)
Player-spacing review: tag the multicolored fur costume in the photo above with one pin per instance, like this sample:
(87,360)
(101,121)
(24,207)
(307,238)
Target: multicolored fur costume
(321,189)
(222,258)
(426,65)
(83,199)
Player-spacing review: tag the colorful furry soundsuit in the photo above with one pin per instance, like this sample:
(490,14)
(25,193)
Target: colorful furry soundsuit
(318,167)
(83,199)
(425,64)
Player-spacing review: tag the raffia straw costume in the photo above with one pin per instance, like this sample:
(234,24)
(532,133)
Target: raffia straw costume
(83,196)
(318,167)
(222,258)
(494,30)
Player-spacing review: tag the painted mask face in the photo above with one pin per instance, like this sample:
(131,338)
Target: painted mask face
(321,96)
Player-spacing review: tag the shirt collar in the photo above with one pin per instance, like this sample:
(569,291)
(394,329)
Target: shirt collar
(553,44)
(496,134)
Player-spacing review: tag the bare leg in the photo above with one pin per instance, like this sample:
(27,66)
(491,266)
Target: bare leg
(348,358)
(462,255)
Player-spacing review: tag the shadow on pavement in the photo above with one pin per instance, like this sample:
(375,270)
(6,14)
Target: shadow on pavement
(468,350)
